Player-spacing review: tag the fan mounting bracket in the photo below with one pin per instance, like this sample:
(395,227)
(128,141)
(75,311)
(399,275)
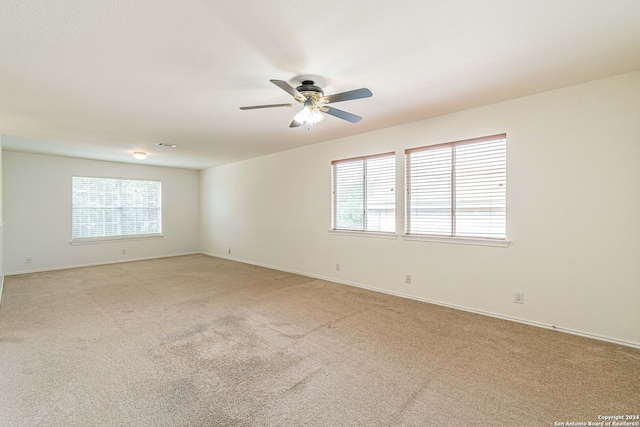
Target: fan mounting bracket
(317,79)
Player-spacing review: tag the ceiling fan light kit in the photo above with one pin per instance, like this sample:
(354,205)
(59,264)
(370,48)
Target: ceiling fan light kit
(314,103)
(308,116)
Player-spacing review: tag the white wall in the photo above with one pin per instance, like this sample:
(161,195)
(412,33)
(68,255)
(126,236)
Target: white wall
(37,212)
(573,213)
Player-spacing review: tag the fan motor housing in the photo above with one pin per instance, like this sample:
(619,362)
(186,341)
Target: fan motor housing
(310,90)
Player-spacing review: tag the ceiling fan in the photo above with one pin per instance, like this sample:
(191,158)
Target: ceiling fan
(314,103)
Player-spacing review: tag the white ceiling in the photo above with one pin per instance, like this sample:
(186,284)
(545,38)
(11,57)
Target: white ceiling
(101,79)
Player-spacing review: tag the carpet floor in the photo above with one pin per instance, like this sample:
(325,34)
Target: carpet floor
(202,341)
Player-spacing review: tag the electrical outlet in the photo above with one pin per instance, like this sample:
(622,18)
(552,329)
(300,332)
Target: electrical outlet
(27,260)
(124,251)
(407,279)
(338,267)
(518,297)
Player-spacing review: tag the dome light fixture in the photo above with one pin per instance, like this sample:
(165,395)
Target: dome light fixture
(139,155)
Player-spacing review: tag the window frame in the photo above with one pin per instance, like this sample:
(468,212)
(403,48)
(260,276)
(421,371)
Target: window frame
(452,237)
(365,231)
(117,237)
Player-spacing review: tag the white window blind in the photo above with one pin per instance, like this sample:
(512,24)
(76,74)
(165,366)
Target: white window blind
(107,207)
(458,189)
(364,193)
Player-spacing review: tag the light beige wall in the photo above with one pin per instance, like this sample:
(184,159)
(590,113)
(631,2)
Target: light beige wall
(37,216)
(573,213)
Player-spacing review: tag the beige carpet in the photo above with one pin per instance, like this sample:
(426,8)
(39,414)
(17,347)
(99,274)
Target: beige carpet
(201,341)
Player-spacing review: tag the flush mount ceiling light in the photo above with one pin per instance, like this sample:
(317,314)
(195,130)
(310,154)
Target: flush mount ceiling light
(314,103)
(139,155)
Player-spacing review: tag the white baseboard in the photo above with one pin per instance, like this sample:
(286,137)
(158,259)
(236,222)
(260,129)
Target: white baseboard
(40,270)
(444,304)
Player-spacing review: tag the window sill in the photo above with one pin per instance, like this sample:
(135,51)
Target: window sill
(106,239)
(374,234)
(458,240)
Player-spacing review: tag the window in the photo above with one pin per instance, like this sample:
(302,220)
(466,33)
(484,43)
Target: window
(106,208)
(458,189)
(364,194)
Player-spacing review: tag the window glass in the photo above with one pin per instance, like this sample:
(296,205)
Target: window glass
(107,207)
(364,194)
(458,189)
